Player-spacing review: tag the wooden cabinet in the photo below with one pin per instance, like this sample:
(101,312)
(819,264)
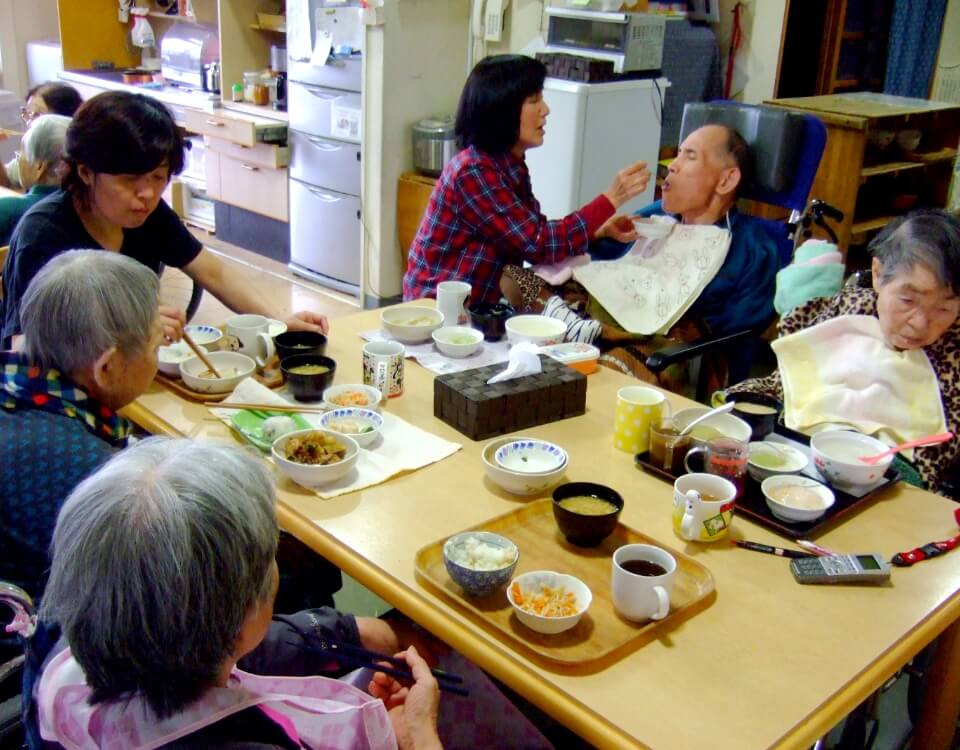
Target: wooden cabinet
(870,170)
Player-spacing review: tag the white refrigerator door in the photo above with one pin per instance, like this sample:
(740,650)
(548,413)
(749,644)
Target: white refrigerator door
(592,132)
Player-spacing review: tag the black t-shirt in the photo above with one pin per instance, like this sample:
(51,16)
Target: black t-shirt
(52,227)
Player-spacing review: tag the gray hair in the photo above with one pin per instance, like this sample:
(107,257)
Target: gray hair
(158,558)
(44,139)
(82,303)
(929,237)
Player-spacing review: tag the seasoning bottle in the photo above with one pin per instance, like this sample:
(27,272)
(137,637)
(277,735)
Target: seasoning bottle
(236,92)
(251,79)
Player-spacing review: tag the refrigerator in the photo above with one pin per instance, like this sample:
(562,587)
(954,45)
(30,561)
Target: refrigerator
(593,131)
(325,132)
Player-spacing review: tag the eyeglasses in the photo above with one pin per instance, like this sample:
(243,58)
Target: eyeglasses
(26,115)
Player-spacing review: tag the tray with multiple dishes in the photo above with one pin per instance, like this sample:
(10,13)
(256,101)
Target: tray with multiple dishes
(753,505)
(600,633)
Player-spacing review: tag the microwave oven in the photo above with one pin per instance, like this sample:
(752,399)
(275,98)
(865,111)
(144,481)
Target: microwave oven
(631,41)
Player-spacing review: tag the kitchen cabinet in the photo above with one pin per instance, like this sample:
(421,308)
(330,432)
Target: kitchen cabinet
(865,172)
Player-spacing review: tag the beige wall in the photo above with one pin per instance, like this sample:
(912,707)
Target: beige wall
(755,71)
(946,76)
(23,21)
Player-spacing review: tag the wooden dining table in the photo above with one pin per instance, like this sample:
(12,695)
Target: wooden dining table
(768,663)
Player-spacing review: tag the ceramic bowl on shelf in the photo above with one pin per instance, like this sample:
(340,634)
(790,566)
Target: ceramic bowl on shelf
(909,139)
(796,499)
(525,588)
(480,562)
(314,475)
(232,366)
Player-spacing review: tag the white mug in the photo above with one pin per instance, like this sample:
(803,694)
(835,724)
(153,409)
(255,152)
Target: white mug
(451,297)
(642,596)
(383,366)
(265,349)
(245,329)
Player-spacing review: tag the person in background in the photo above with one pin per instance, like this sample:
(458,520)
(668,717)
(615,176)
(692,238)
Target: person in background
(482,214)
(51,98)
(701,187)
(91,332)
(40,165)
(121,151)
(915,294)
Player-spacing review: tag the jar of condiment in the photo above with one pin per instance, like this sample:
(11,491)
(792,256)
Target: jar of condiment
(251,79)
(261,95)
(236,92)
(270,81)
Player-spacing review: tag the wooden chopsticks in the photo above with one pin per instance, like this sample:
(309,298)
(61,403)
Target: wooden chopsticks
(285,409)
(201,353)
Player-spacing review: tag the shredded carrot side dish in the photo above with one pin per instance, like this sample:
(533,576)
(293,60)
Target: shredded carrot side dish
(547,602)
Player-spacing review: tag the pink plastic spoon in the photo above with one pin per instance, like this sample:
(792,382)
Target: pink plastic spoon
(931,440)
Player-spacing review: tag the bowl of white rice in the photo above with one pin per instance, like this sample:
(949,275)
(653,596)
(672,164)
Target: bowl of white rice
(480,562)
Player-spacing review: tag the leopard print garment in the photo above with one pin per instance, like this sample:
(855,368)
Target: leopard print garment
(934,461)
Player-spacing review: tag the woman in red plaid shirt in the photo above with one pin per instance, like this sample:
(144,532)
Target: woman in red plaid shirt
(482,214)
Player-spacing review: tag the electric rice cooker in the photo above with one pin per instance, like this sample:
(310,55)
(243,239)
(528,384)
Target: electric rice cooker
(434,144)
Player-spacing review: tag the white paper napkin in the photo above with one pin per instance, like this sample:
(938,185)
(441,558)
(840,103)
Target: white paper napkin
(400,447)
(524,360)
(428,356)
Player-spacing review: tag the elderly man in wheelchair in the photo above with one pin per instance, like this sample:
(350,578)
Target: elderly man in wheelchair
(701,190)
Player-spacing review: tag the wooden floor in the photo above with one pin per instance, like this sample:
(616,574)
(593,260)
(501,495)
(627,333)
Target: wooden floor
(270,279)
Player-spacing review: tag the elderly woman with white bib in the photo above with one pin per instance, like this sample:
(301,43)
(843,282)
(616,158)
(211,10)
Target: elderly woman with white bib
(886,357)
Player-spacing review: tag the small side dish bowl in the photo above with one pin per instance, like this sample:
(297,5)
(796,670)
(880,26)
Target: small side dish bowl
(517,483)
(308,375)
(352,394)
(170,357)
(363,425)
(720,425)
(209,337)
(480,562)
(769,459)
(528,591)
(490,318)
(411,325)
(653,227)
(796,499)
(232,365)
(836,455)
(458,341)
(314,475)
(530,456)
(578,508)
(535,329)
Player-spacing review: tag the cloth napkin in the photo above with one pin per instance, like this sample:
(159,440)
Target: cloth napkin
(817,271)
(842,371)
(647,294)
(400,447)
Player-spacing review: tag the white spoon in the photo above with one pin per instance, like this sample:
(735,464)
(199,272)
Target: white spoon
(712,413)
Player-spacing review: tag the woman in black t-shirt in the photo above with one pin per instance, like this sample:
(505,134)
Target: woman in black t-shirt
(121,151)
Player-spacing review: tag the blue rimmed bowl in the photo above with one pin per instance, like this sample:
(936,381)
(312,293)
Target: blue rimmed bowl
(369,422)
(469,574)
(527,456)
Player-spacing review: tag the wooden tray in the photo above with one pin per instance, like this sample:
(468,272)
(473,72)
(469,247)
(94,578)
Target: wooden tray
(270,378)
(601,632)
(754,506)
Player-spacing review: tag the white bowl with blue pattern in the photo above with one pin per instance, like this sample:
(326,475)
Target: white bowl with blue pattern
(209,337)
(473,581)
(530,456)
(369,422)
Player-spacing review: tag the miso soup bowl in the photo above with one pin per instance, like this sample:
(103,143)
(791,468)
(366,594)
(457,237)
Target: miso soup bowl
(836,452)
(580,529)
(308,386)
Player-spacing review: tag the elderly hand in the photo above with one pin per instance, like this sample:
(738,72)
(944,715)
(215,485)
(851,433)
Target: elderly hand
(620,228)
(308,321)
(397,633)
(173,319)
(629,183)
(413,710)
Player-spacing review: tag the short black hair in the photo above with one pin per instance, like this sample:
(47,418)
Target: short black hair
(60,98)
(928,236)
(117,132)
(488,116)
(739,151)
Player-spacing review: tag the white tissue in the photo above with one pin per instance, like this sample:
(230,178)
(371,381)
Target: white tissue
(524,360)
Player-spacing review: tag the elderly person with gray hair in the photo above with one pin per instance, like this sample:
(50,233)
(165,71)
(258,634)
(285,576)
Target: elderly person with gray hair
(40,162)
(92,329)
(915,296)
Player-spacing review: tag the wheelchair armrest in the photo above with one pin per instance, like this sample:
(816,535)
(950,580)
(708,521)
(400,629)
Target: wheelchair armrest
(669,355)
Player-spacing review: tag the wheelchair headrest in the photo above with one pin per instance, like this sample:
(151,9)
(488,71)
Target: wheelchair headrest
(774,135)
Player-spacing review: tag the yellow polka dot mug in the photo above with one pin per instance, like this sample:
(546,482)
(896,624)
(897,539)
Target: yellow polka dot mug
(638,407)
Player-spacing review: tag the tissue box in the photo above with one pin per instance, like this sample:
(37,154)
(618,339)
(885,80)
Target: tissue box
(465,402)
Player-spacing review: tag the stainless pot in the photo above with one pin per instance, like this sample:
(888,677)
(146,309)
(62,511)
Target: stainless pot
(434,144)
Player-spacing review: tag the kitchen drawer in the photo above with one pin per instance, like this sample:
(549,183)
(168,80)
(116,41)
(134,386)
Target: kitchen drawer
(329,113)
(247,131)
(248,186)
(325,232)
(322,161)
(262,154)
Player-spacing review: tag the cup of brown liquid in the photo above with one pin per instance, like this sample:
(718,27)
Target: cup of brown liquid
(641,581)
(667,448)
